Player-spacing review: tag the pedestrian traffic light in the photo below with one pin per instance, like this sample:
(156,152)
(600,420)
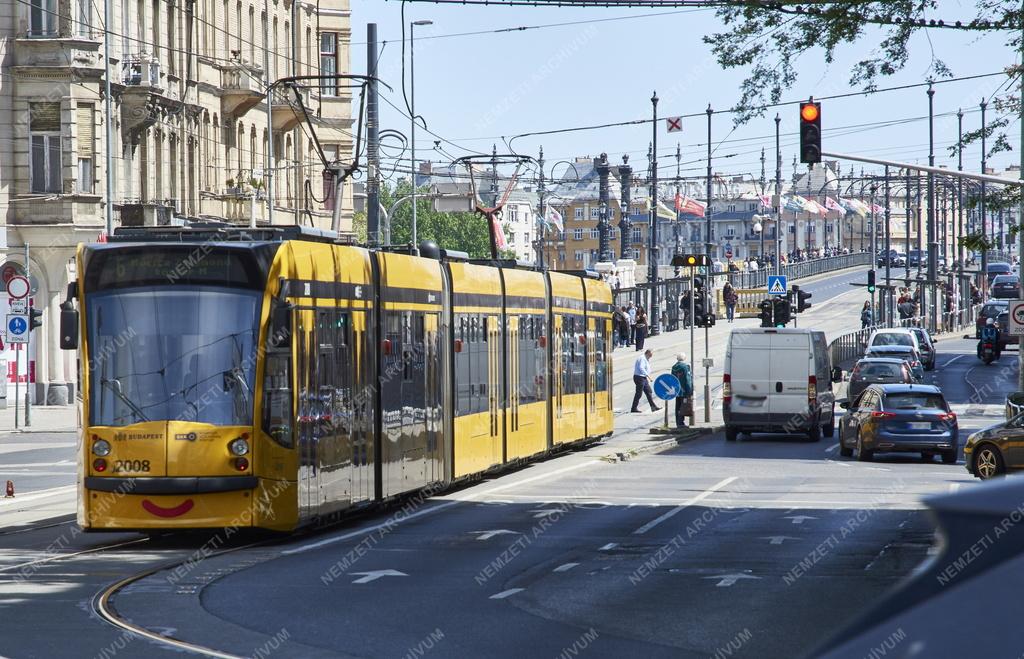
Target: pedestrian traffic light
(698,306)
(765,313)
(871,281)
(810,132)
(781,316)
(800,298)
(707,320)
(690,260)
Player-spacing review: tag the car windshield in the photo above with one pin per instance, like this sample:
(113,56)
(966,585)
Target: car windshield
(172,353)
(915,400)
(992,310)
(879,370)
(1005,279)
(892,339)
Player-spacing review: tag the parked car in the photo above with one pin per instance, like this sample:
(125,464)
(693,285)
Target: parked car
(906,353)
(990,309)
(878,370)
(1005,287)
(999,268)
(899,418)
(927,343)
(896,258)
(778,380)
(916,257)
(994,450)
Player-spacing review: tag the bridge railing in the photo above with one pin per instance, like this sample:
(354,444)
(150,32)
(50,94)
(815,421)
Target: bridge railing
(672,289)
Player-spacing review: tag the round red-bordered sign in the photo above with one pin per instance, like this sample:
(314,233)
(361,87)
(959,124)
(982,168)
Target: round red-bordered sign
(18,287)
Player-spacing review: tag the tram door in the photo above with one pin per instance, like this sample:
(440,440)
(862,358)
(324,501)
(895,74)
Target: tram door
(306,355)
(334,414)
(433,415)
(592,364)
(494,375)
(559,367)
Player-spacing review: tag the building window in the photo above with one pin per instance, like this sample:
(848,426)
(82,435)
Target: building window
(526,238)
(85,123)
(577,234)
(594,233)
(561,255)
(578,214)
(730,232)
(752,207)
(612,233)
(83,18)
(44,156)
(579,255)
(328,62)
(732,208)
(595,213)
(42,18)
(638,236)
(513,213)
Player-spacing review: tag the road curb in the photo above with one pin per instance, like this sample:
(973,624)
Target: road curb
(673,439)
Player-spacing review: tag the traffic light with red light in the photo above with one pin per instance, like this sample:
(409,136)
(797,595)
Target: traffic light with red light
(810,132)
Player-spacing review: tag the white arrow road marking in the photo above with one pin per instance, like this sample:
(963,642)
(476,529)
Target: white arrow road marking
(832,448)
(777,539)
(703,495)
(546,512)
(608,547)
(726,580)
(506,593)
(799,519)
(367,577)
(565,568)
(487,535)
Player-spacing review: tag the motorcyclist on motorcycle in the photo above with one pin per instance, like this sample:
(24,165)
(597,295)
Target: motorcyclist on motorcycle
(990,334)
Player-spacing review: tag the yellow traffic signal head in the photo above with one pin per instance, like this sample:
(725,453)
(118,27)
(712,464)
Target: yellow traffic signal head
(809,112)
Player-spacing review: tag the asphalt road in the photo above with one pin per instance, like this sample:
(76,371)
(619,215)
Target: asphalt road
(760,548)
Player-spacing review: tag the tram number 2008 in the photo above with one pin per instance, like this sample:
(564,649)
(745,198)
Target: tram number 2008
(131,465)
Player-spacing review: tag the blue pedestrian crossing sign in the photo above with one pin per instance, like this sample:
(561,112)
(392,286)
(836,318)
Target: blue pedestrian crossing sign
(17,328)
(666,386)
(777,284)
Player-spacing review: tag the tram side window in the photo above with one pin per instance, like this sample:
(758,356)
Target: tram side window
(463,372)
(479,348)
(540,358)
(601,357)
(568,327)
(277,396)
(527,364)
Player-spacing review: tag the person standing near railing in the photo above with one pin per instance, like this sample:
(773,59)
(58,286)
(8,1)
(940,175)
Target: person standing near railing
(730,299)
(866,317)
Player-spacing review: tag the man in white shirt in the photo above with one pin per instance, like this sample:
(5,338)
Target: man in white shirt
(642,380)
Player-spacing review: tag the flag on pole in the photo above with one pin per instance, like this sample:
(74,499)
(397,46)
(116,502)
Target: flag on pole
(766,200)
(795,204)
(875,208)
(693,207)
(832,205)
(554,218)
(815,207)
(679,202)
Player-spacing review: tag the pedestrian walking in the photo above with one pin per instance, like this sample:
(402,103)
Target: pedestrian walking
(684,401)
(866,319)
(631,313)
(621,327)
(640,328)
(642,380)
(684,308)
(730,298)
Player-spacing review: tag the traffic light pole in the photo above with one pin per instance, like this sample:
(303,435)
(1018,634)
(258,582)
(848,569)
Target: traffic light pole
(693,349)
(28,342)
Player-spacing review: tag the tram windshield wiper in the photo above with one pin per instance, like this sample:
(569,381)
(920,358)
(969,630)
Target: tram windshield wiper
(115,385)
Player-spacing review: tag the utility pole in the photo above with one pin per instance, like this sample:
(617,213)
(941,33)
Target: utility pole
(888,251)
(906,261)
(1020,214)
(777,202)
(625,226)
(707,288)
(602,199)
(542,211)
(960,189)
(108,158)
(933,244)
(760,253)
(372,141)
(675,225)
(983,279)
(874,250)
(654,315)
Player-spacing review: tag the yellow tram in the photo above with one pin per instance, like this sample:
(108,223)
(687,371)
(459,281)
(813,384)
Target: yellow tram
(274,378)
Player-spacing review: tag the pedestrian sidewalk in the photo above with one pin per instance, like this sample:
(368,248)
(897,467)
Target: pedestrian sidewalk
(44,418)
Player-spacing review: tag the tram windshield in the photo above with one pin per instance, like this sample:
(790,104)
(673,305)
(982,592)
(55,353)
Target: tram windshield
(178,352)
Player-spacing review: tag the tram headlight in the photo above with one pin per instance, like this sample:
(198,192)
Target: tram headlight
(238,446)
(101,447)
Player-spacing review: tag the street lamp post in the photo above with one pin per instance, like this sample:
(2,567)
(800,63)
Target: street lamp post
(412,118)
(625,178)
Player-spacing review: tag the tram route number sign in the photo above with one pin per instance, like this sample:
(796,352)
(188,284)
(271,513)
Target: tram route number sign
(17,328)
(1016,324)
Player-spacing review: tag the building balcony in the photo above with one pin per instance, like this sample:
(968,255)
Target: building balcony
(147,214)
(286,113)
(241,89)
(142,93)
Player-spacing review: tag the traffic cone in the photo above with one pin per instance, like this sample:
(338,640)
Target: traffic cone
(10,490)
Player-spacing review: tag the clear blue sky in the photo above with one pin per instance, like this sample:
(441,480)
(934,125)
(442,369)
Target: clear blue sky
(475,89)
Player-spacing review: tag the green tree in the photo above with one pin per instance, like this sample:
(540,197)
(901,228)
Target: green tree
(766,39)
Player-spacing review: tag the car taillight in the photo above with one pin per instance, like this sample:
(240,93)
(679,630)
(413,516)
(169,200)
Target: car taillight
(812,389)
(949,416)
(883,415)
(726,389)
(915,363)
(99,464)
(241,464)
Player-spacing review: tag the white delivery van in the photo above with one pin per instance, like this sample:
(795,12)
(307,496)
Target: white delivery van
(778,381)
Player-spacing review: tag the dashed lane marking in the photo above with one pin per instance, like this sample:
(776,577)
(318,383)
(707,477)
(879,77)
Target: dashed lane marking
(832,448)
(565,568)
(703,495)
(609,546)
